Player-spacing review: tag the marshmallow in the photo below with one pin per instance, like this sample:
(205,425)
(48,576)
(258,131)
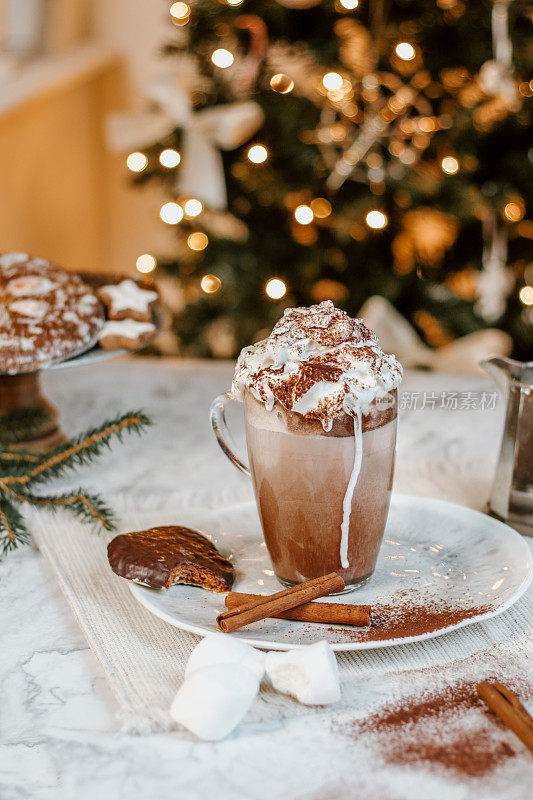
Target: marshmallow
(310,674)
(219,648)
(212,700)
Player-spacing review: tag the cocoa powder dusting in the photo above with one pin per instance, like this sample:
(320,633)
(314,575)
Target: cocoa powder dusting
(322,347)
(402,619)
(448,729)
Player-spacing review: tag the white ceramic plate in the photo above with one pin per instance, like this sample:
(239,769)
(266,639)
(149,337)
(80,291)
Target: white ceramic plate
(435,556)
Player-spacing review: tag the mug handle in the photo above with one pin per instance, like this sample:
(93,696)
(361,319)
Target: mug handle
(221,431)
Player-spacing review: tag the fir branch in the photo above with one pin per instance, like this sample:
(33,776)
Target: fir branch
(12,528)
(88,507)
(20,471)
(79,451)
(18,457)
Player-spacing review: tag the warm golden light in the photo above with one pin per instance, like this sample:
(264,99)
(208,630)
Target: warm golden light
(450,165)
(180,13)
(193,207)
(281,83)
(321,207)
(171,213)
(275,289)
(304,215)
(222,58)
(332,81)
(405,51)
(198,241)
(349,5)
(407,156)
(136,162)
(210,284)
(376,219)
(257,154)
(234,2)
(169,158)
(514,211)
(145,263)
(526,295)
(179,10)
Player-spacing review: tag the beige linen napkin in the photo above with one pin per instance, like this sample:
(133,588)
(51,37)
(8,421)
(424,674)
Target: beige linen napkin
(144,658)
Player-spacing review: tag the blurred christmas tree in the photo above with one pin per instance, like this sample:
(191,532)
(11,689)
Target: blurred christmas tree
(334,149)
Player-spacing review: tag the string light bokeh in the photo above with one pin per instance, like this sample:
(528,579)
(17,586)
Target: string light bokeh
(169,158)
(222,58)
(376,219)
(257,154)
(136,162)
(276,289)
(382,117)
(146,263)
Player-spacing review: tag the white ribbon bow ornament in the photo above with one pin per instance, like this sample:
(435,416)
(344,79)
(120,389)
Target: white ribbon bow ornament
(396,335)
(205,133)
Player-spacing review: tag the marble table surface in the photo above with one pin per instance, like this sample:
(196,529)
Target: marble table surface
(59,733)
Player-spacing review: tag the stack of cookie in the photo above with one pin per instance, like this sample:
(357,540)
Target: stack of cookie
(48,315)
(129,310)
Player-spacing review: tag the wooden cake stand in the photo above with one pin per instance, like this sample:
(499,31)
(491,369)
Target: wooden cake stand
(24,407)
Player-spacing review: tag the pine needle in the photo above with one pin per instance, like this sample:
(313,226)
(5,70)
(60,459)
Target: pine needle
(18,457)
(79,451)
(21,471)
(89,508)
(12,528)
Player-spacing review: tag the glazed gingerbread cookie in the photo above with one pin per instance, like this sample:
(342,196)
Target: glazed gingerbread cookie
(46,314)
(128,300)
(126,333)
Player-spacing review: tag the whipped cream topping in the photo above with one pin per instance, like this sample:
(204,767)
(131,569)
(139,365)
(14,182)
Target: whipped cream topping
(318,362)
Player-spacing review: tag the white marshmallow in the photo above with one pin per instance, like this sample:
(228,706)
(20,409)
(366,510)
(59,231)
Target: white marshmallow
(212,700)
(310,674)
(219,648)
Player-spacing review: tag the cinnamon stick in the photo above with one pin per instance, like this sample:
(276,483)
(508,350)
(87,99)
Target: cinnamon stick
(326,613)
(509,709)
(264,607)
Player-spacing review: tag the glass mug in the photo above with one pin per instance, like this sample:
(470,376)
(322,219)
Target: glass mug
(301,474)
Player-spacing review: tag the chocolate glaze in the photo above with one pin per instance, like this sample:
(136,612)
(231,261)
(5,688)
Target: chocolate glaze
(169,554)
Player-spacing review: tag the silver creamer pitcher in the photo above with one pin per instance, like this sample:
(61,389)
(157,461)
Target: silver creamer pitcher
(512,492)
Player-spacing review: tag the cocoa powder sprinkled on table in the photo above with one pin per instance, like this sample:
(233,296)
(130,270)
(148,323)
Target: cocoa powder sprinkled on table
(448,729)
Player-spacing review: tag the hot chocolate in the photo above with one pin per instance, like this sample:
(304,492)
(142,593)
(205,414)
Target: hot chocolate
(320,405)
(302,478)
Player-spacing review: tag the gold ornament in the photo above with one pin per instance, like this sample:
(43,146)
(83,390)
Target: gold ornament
(329,290)
(488,114)
(426,235)
(464,283)
(434,333)
(320,207)
(304,234)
